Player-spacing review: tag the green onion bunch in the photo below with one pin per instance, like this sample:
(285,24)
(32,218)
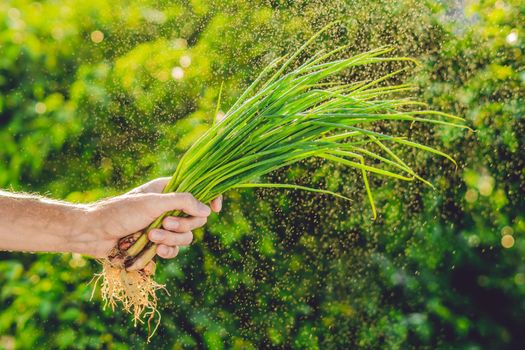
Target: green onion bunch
(288,115)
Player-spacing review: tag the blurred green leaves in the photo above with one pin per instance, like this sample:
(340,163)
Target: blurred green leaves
(83,116)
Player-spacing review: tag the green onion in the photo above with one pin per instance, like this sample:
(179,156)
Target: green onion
(288,115)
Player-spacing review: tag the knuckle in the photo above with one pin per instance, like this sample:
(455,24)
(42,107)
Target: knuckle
(194,202)
(187,199)
(186,196)
(166,222)
(151,233)
(183,226)
(151,236)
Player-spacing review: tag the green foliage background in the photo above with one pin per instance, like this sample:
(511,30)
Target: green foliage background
(82,120)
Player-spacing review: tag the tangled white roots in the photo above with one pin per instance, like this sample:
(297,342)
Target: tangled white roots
(135,290)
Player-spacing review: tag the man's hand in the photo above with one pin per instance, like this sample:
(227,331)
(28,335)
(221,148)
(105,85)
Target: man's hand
(120,216)
(30,223)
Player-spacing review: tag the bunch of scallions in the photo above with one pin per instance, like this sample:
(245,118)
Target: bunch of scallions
(285,116)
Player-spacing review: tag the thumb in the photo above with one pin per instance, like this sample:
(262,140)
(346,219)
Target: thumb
(156,204)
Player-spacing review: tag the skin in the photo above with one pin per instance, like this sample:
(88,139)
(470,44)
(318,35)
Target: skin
(37,224)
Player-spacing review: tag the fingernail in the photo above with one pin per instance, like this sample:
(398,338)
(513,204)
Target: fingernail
(172,224)
(157,234)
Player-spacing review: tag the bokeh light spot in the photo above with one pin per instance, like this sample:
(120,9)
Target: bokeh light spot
(97,36)
(519,278)
(220,116)
(77,261)
(40,107)
(485,185)
(179,43)
(154,16)
(512,38)
(185,61)
(177,73)
(57,33)
(13,13)
(473,240)
(471,196)
(507,230)
(507,241)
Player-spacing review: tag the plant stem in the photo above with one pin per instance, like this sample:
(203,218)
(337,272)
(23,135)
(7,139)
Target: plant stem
(143,258)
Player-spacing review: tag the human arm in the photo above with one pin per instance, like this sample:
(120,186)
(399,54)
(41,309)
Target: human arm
(34,223)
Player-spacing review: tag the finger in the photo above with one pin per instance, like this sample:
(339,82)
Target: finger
(149,269)
(216,204)
(170,238)
(176,224)
(159,203)
(167,252)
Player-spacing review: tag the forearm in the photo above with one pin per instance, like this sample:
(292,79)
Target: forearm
(32,223)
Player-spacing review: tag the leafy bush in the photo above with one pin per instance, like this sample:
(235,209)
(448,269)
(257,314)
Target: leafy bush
(84,116)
